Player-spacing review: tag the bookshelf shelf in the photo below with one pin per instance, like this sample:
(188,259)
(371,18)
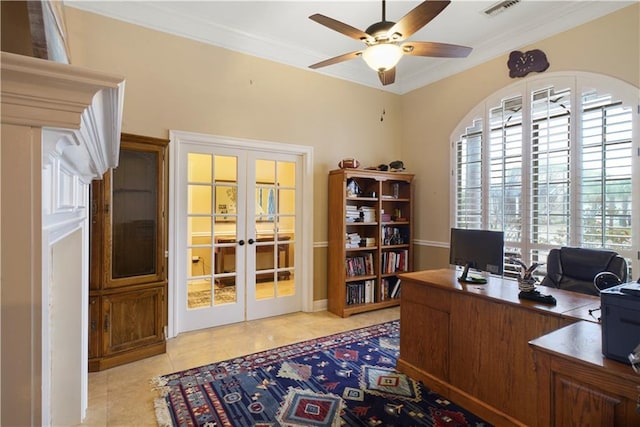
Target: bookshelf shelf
(389,251)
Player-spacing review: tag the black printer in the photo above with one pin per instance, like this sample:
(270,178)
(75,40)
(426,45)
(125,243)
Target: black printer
(620,320)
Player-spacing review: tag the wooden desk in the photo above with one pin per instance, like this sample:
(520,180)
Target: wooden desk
(470,342)
(577,385)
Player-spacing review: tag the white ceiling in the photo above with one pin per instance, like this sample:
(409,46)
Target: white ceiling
(281,31)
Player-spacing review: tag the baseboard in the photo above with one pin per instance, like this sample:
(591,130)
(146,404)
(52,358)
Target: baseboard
(319,305)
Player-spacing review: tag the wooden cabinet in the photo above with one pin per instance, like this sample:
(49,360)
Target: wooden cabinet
(578,386)
(128,277)
(370,232)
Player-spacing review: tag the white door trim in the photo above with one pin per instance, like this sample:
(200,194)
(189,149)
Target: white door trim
(176,138)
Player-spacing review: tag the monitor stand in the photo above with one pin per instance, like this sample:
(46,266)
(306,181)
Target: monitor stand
(465,278)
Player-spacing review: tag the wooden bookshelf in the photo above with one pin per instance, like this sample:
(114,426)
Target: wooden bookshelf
(370,224)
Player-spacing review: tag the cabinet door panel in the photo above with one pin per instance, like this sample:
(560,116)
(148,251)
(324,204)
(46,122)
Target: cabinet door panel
(577,405)
(432,349)
(133,319)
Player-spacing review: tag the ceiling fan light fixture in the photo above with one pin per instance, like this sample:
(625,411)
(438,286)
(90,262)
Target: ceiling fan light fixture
(382,56)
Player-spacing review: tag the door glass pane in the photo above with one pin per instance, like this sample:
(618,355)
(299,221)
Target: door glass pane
(226,201)
(287,174)
(199,292)
(265,202)
(199,168)
(226,168)
(199,201)
(286,201)
(134,214)
(285,264)
(265,171)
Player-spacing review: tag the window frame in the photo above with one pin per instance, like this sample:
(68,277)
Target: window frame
(578,83)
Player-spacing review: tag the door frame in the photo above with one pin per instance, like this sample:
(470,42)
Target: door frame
(176,138)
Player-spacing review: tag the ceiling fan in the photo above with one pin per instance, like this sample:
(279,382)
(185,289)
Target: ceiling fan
(383,39)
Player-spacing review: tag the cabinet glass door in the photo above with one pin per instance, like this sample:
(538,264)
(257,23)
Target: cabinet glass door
(133,218)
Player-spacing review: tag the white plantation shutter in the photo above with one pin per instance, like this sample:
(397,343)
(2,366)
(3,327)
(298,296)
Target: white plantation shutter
(550,170)
(469,177)
(550,173)
(505,169)
(606,168)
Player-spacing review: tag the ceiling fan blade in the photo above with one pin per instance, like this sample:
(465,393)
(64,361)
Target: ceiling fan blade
(418,18)
(336,59)
(340,27)
(442,50)
(387,77)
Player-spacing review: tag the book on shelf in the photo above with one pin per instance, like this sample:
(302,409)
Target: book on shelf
(361,265)
(389,288)
(368,214)
(360,214)
(395,293)
(393,235)
(395,261)
(353,240)
(360,292)
(352,214)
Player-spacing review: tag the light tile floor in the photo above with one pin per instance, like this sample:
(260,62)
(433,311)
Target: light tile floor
(124,395)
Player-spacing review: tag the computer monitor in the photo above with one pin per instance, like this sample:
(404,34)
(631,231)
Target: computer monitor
(481,250)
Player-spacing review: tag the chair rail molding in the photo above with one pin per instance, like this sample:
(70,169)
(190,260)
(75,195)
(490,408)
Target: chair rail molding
(60,130)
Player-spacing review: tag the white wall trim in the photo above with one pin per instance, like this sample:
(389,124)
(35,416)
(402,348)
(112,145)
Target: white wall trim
(431,243)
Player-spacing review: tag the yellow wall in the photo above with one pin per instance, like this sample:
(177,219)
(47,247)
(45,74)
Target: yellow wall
(175,83)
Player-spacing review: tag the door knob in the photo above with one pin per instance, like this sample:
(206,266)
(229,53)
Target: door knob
(241,242)
(251,241)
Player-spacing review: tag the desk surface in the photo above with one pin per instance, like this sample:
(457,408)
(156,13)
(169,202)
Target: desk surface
(569,304)
(582,342)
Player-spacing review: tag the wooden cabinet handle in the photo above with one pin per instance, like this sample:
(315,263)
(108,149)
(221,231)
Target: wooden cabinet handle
(106,323)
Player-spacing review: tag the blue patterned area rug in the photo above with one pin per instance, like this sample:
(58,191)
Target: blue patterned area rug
(346,379)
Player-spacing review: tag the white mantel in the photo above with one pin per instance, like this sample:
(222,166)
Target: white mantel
(60,130)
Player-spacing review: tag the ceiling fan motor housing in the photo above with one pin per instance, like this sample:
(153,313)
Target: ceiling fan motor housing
(380,32)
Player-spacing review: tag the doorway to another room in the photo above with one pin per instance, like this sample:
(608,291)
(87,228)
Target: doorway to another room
(240,250)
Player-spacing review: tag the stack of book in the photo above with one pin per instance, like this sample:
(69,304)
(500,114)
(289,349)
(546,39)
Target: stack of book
(367,213)
(353,215)
(353,240)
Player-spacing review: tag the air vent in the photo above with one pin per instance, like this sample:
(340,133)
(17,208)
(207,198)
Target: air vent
(500,7)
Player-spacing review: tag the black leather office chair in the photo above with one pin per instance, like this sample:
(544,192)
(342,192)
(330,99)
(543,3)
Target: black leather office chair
(574,269)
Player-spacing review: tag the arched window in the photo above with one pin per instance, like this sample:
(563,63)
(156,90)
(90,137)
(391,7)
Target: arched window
(552,161)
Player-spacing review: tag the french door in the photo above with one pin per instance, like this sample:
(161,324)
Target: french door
(237,242)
